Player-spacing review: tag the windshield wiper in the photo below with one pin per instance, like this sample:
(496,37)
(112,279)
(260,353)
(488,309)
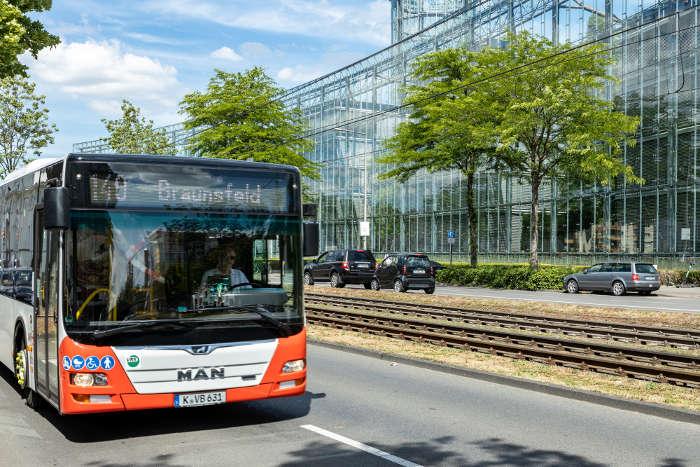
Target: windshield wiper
(170,325)
(284,328)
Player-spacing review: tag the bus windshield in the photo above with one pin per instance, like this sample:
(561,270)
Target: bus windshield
(128,267)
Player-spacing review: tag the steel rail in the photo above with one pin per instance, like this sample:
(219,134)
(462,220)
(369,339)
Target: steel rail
(636,363)
(644,335)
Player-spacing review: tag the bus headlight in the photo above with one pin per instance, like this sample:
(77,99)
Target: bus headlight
(83,379)
(100,379)
(86,380)
(293,366)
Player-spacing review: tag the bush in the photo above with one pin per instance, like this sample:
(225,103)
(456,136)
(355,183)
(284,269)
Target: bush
(507,276)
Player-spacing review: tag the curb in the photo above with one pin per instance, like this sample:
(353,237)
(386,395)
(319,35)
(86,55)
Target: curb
(647,408)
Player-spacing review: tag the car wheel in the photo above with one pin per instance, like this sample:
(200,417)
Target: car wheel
(335,281)
(430,290)
(398,286)
(572,286)
(618,288)
(374,285)
(308,280)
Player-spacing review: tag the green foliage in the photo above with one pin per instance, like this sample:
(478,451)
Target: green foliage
(507,276)
(450,127)
(24,123)
(553,121)
(20,34)
(677,276)
(134,134)
(240,116)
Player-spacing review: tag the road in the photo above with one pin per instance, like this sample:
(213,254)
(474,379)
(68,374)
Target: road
(667,299)
(415,415)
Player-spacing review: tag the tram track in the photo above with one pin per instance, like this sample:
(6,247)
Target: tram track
(627,333)
(585,354)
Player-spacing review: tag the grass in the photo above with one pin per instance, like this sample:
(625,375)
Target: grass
(675,396)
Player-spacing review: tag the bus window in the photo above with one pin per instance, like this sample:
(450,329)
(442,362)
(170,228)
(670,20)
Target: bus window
(145,265)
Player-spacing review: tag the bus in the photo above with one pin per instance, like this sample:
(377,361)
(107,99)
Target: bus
(142,282)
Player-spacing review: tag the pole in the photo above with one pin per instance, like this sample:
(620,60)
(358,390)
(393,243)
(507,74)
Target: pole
(450,254)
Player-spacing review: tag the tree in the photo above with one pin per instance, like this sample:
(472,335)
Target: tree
(20,34)
(449,127)
(552,123)
(241,116)
(24,123)
(134,134)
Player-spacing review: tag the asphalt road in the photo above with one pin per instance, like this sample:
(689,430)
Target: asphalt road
(401,414)
(667,299)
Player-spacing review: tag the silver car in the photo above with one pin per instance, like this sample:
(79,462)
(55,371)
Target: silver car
(617,278)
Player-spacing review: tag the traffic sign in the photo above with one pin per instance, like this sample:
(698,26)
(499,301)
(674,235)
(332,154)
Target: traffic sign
(451,234)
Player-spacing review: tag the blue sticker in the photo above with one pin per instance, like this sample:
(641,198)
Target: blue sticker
(78,362)
(92,363)
(107,362)
(66,362)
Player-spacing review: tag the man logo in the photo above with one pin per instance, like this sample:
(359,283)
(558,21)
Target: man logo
(200,349)
(200,374)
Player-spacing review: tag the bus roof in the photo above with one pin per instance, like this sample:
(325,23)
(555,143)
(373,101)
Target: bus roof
(33,166)
(40,163)
(185,160)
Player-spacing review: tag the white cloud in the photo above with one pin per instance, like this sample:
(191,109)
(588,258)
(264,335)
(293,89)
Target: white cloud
(359,21)
(102,73)
(298,74)
(226,53)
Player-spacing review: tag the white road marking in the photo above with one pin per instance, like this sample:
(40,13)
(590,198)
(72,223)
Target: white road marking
(360,446)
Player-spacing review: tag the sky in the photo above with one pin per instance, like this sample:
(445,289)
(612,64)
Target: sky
(153,52)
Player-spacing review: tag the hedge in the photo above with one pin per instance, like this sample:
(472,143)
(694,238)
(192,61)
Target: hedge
(507,276)
(520,276)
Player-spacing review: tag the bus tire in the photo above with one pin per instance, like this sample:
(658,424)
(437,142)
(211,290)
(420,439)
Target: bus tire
(32,399)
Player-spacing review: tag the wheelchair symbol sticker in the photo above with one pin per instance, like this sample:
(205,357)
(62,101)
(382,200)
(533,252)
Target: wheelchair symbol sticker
(92,363)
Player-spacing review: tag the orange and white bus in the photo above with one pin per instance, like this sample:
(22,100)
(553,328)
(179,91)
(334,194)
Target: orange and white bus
(138,282)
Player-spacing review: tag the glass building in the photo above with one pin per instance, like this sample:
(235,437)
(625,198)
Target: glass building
(351,111)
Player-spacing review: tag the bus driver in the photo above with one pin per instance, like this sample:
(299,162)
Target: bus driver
(227,267)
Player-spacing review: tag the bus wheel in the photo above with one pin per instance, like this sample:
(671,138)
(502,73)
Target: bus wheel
(21,362)
(32,399)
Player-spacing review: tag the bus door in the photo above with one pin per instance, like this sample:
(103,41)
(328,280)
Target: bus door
(46,267)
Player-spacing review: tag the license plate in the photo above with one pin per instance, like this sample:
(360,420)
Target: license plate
(362,265)
(650,278)
(201,398)
(419,271)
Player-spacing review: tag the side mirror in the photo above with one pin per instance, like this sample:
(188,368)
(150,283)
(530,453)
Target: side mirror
(585,271)
(56,208)
(309,210)
(311,239)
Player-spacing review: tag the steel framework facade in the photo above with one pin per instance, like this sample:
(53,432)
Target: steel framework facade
(656,50)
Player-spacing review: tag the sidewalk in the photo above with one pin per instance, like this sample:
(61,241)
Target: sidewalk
(679,292)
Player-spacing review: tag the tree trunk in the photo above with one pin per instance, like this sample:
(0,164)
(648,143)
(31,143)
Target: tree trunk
(471,214)
(534,223)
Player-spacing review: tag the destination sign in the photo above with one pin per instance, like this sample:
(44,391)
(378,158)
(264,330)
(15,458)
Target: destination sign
(120,185)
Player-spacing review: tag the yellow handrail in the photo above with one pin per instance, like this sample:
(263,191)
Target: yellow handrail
(88,300)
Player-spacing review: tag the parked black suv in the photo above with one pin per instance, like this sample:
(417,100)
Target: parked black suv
(341,267)
(404,271)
